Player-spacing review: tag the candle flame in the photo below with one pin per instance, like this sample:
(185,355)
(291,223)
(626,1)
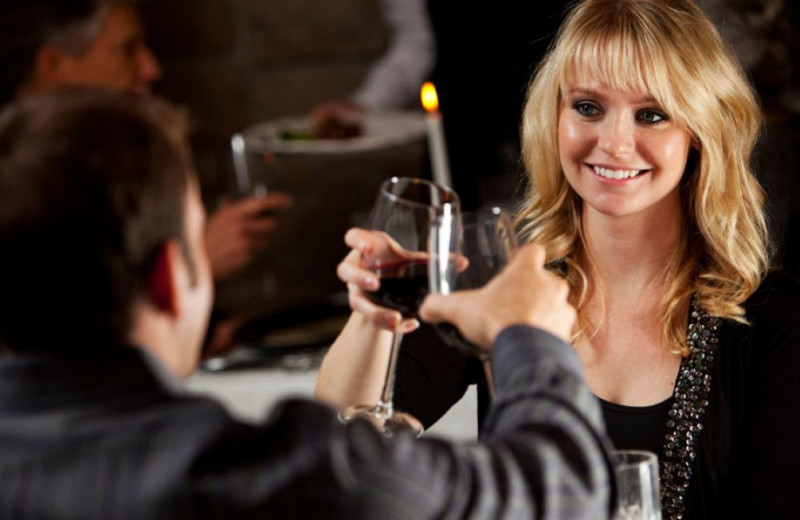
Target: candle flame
(429,98)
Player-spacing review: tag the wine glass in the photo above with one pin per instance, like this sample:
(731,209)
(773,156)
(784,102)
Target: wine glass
(486,239)
(255,167)
(404,211)
(638,496)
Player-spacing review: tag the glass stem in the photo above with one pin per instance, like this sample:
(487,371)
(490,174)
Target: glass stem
(387,393)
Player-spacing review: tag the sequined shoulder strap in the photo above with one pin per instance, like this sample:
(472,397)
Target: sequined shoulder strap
(690,400)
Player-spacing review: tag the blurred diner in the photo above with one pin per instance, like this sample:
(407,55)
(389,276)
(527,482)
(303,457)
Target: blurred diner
(52,44)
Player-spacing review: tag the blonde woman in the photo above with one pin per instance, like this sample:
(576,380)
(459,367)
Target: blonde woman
(637,136)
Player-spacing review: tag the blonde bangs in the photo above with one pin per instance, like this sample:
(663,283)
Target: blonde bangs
(621,54)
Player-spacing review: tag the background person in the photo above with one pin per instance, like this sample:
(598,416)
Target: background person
(51,44)
(93,423)
(480,61)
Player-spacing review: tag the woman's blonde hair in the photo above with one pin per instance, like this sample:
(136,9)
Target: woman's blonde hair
(670,50)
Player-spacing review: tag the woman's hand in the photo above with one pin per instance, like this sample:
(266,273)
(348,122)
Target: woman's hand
(367,248)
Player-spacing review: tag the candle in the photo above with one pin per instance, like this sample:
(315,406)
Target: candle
(436,143)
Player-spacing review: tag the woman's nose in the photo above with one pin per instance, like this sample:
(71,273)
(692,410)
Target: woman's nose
(149,68)
(618,136)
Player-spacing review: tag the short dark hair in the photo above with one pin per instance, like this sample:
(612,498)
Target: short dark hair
(25,25)
(92,182)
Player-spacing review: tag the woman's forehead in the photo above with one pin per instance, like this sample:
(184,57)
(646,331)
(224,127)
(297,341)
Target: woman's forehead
(609,72)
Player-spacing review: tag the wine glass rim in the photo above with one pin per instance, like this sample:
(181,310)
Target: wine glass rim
(620,458)
(450,194)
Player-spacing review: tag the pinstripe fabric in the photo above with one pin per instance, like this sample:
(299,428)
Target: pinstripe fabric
(113,437)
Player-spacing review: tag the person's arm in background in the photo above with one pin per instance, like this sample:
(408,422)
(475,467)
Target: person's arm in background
(235,233)
(392,82)
(238,230)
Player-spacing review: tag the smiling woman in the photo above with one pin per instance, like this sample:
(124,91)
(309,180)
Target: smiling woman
(637,135)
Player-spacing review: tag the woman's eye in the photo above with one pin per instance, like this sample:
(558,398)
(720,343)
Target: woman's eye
(585,109)
(652,116)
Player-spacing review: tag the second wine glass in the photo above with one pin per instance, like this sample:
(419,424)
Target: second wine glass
(404,211)
(486,240)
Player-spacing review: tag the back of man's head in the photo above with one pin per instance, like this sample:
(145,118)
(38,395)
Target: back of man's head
(25,25)
(92,183)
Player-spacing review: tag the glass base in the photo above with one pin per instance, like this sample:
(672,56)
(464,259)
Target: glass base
(388,421)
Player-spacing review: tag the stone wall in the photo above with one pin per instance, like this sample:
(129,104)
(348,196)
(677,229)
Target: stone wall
(237,62)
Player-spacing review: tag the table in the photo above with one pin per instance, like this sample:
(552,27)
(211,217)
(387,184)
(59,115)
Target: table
(249,394)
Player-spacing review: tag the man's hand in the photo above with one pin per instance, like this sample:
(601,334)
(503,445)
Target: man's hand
(524,293)
(238,230)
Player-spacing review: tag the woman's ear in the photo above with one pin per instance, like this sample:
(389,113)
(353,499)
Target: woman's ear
(161,289)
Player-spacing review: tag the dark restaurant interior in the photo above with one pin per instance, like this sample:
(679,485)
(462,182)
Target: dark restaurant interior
(276,98)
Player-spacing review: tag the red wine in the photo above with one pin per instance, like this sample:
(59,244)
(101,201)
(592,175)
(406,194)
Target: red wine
(404,285)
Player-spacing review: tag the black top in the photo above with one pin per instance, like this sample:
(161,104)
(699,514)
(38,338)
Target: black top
(637,427)
(110,436)
(748,454)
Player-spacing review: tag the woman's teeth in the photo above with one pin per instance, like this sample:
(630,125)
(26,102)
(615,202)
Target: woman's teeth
(615,174)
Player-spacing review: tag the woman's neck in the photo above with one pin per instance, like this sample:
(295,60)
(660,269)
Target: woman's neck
(630,254)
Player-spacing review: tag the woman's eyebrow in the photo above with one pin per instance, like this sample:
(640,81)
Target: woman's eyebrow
(646,98)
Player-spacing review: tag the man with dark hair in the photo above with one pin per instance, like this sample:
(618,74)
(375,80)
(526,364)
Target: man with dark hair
(106,294)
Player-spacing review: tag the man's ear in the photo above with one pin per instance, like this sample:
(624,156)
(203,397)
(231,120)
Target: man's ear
(47,64)
(161,288)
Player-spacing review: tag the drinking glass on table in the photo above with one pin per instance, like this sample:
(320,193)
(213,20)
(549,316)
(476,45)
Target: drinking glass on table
(465,254)
(254,167)
(638,492)
(404,210)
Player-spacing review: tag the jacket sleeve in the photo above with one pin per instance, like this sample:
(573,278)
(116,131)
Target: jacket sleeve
(542,453)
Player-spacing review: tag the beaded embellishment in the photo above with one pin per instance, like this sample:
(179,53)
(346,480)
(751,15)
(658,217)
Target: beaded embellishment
(690,400)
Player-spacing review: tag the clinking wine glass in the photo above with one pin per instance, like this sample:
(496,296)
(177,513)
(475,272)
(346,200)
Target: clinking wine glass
(638,489)
(404,210)
(486,239)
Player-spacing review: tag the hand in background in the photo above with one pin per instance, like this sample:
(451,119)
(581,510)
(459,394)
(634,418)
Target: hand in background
(238,230)
(524,293)
(222,336)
